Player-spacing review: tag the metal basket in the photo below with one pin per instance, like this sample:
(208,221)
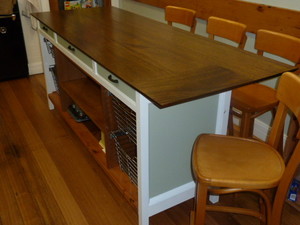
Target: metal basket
(52,70)
(49,46)
(125,138)
(126,152)
(125,118)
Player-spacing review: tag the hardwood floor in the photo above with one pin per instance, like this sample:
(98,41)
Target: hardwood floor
(48,177)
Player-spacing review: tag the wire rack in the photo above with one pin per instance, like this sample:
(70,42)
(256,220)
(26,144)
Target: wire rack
(52,70)
(127,158)
(125,138)
(125,118)
(49,46)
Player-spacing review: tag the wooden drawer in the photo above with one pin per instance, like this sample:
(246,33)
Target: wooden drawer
(116,82)
(47,30)
(77,53)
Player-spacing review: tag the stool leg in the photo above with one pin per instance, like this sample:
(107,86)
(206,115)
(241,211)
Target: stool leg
(263,211)
(230,122)
(291,141)
(247,123)
(200,204)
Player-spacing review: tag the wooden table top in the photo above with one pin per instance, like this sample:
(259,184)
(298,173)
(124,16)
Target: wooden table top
(166,64)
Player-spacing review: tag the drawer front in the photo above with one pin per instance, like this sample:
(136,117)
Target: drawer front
(80,55)
(47,30)
(116,82)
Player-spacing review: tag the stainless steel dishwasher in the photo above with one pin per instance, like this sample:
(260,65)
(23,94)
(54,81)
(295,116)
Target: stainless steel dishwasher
(13,58)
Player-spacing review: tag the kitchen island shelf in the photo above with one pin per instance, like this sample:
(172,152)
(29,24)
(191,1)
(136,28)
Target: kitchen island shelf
(117,176)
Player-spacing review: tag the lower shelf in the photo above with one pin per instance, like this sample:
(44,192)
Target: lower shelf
(118,177)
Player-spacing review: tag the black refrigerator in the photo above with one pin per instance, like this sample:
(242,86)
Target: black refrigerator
(13,58)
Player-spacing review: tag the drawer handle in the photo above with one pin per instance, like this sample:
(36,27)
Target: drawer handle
(112,79)
(71,48)
(45,28)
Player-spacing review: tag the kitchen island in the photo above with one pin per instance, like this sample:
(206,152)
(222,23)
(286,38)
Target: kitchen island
(149,89)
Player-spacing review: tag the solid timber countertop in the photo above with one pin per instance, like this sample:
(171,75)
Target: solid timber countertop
(166,64)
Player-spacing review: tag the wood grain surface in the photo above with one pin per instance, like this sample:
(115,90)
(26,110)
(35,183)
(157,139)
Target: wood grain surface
(166,64)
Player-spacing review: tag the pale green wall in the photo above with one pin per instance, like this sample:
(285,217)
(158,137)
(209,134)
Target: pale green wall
(169,157)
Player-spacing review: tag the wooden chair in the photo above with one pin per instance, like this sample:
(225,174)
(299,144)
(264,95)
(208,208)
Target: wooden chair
(251,101)
(174,14)
(231,30)
(228,29)
(226,164)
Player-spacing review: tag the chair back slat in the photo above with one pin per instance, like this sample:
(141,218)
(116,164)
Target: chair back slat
(279,44)
(174,14)
(228,29)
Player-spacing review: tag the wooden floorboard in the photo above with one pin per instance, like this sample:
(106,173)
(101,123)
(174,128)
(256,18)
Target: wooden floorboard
(48,177)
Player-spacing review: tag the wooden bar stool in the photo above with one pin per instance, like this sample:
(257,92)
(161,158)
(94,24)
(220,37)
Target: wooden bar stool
(231,30)
(251,101)
(174,14)
(226,164)
(228,29)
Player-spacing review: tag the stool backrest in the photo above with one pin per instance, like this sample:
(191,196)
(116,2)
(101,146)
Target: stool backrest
(288,94)
(279,44)
(181,15)
(228,29)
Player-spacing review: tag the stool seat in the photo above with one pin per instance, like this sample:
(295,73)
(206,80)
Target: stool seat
(226,161)
(225,165)
(262,100)
(247,107)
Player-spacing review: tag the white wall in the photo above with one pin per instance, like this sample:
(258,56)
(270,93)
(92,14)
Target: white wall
(288,4)
(31,38)
(115,3)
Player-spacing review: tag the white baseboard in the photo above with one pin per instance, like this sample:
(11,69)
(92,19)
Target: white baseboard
(35,68)
(171,198)
(261,129)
